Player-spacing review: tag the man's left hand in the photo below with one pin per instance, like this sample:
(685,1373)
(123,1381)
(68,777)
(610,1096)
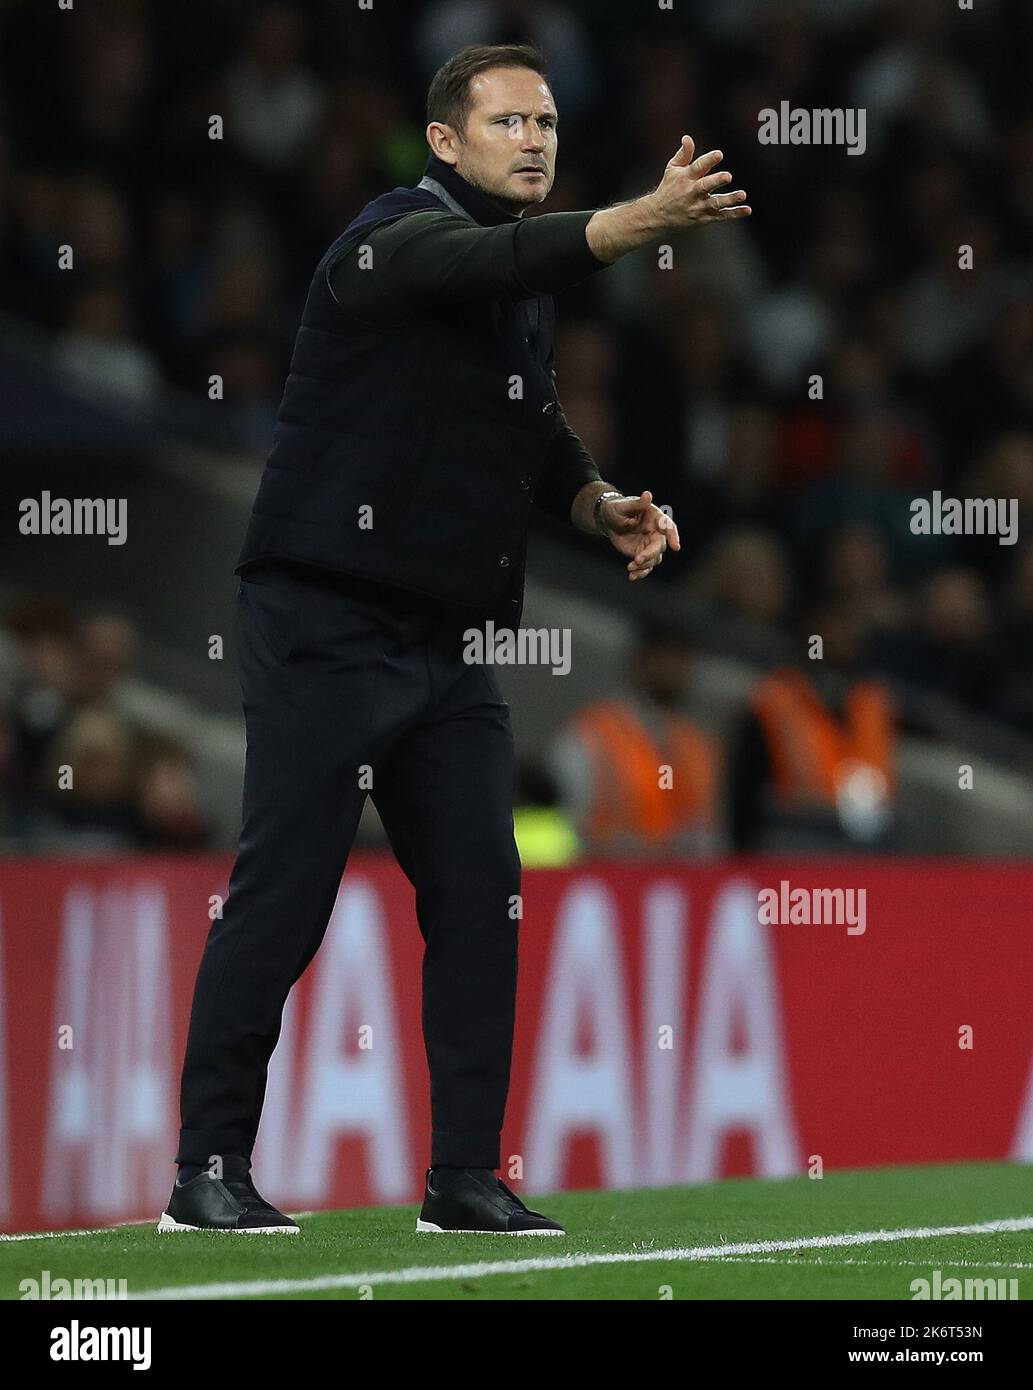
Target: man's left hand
(639,529)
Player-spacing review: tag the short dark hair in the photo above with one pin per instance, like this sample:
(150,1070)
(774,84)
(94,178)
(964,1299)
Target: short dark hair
(448,97)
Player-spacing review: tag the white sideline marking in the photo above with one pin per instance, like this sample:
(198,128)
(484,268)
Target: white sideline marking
(93,1231)
(872,1264)
(421,1274)
(106,1230)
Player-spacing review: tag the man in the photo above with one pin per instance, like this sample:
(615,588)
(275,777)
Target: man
(418,423)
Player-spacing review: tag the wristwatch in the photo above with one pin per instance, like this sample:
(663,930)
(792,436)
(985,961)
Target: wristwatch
(597,511)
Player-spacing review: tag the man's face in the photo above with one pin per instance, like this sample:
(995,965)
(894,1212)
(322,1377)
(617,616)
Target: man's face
(508,149)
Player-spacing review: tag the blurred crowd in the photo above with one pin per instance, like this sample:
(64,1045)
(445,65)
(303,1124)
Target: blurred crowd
(809,763)
(87,761)
(787,385)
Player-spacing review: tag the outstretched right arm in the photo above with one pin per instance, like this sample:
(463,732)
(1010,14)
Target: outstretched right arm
(688,195)
(433,258)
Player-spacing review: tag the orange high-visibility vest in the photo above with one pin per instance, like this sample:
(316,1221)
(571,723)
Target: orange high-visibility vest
(632,794)
(810,748)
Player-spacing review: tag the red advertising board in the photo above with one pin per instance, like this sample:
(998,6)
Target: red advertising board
(675,1024)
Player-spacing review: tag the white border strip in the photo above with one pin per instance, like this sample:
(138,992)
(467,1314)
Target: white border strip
(425,1274)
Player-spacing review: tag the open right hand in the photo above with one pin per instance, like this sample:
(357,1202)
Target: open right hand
(689,194)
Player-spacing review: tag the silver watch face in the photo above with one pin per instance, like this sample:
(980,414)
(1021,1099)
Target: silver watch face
(598,508)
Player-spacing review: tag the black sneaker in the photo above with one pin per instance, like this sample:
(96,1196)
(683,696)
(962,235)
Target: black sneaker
(227,1204)
(476,1202)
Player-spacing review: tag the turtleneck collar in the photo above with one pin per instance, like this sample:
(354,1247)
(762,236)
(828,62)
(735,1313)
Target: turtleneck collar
(484,210)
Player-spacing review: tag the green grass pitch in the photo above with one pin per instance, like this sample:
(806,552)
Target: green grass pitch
(645,1244)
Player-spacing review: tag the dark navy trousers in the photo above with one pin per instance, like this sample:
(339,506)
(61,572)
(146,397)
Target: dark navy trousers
(353,689)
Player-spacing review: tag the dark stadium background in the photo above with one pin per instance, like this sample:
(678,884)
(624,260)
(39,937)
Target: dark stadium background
(192,260)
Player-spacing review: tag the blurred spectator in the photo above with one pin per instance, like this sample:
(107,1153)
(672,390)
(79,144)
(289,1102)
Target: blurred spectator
(747,579)
(109,674)
(907,76)
(814,762)
(635,774)
(86,785)
(950,647)
(879,464)
(100,230)
(180,266)
(98,349)
(948,307)
(989,390)
(856,574)
(588,381)
(168,804)
(47,683)
(1004,470)
(31,281)
(108,647)
(273,100)
(111,77)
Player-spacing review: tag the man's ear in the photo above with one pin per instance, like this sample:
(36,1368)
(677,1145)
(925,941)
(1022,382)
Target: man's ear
(442,138)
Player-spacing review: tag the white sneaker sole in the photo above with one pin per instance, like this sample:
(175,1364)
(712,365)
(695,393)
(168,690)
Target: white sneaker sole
(429,1228)
(168,1224)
